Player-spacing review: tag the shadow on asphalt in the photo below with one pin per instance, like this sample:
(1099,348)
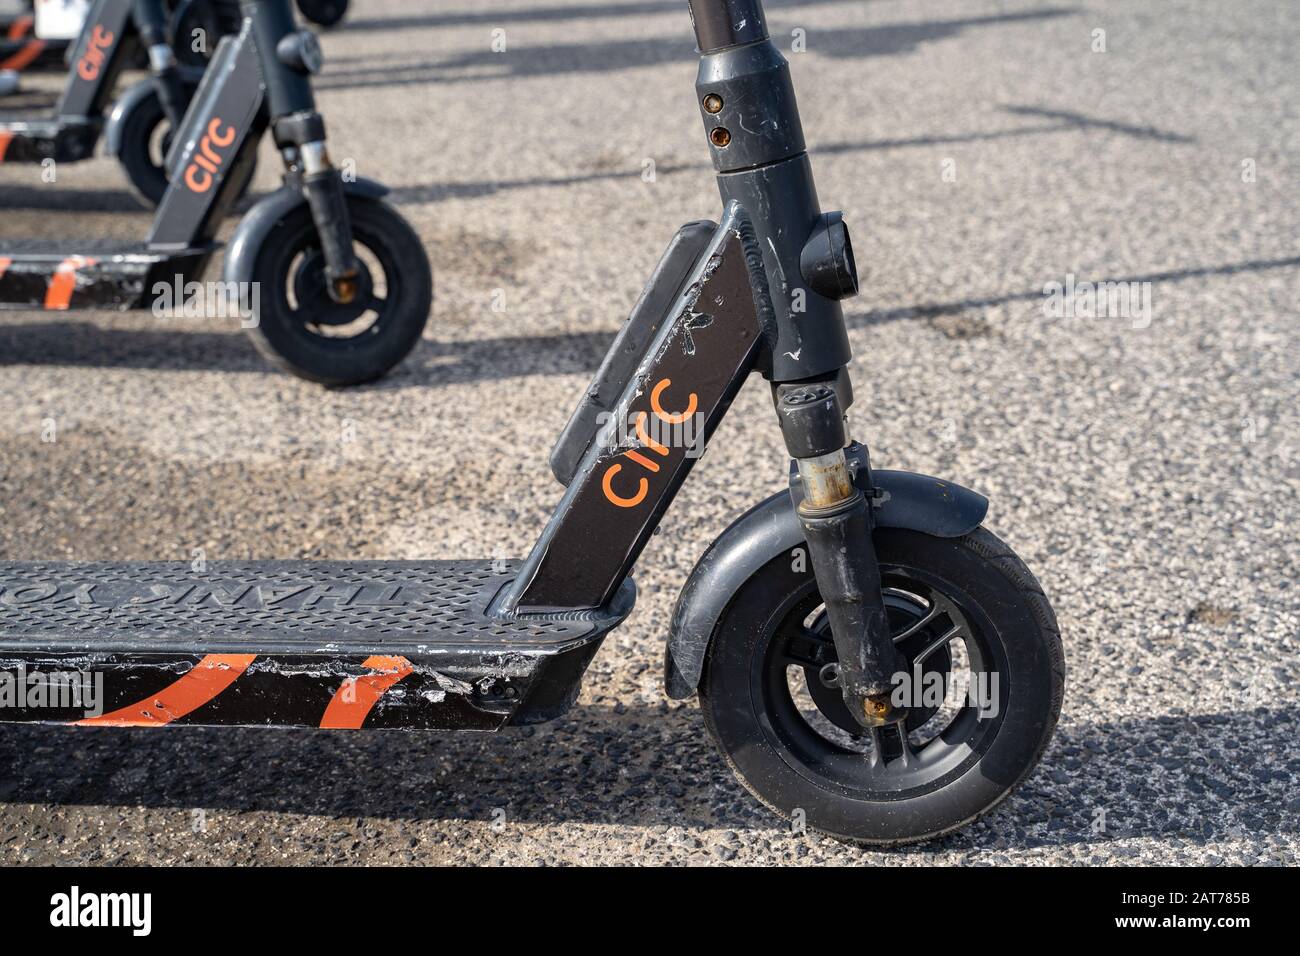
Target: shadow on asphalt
(931,309)
(1063,121)
(21,105)
(1199,778)
(72,343)
(54,198)
(521,62)
(504,18)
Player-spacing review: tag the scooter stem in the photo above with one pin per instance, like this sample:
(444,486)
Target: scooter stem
(751,119)
(747,101)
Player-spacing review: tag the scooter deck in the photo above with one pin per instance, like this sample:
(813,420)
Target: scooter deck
(285,643)
(36,139)
(54,274)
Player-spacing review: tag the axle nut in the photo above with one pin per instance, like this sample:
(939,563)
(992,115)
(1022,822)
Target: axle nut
(876,709)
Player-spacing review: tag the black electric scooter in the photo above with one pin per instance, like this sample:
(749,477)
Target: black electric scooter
(137,129)
(331,282)
(807,627)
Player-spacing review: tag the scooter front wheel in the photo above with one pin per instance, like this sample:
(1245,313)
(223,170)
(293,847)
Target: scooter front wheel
(986,677)
(299,327)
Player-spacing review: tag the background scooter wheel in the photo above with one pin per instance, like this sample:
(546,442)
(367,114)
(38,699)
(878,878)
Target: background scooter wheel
(144,148)
(146,137)
(325,13)
(302,330)
(792,741)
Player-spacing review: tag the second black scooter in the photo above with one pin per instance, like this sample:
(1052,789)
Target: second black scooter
(331,283)
(138,128)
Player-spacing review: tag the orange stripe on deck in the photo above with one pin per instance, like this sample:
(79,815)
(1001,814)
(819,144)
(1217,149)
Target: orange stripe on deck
(20,27)
(352,702)
(24,57)
(5,139)
(4,265)
(64,283)
(204,681)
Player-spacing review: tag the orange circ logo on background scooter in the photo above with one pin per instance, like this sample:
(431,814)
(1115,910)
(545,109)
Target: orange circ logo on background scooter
(649,464)
(90,62)
(199,173)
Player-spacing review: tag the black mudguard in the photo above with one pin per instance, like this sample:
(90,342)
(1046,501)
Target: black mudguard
(257,223)
(771,528)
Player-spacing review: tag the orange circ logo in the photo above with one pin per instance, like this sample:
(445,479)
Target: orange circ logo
(90,62)
(199,173)
(649,464)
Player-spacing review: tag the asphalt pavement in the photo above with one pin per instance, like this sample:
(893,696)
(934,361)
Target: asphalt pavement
(1144,465)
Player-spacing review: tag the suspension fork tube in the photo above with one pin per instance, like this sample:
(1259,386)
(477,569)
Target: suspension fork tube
(747,101)
(299,132)
(836,519)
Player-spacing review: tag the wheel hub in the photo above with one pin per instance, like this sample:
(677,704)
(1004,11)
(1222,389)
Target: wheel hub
(311,289)
(825,692)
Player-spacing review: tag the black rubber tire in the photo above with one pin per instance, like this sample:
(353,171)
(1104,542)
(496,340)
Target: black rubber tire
(1005,597)
(282,336)
(148,179)
(325,13)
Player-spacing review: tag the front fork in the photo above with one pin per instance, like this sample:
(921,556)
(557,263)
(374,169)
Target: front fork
(836,520)
(307,159)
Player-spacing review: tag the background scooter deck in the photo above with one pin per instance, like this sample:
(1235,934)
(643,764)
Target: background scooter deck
(54,274)
(38,139)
